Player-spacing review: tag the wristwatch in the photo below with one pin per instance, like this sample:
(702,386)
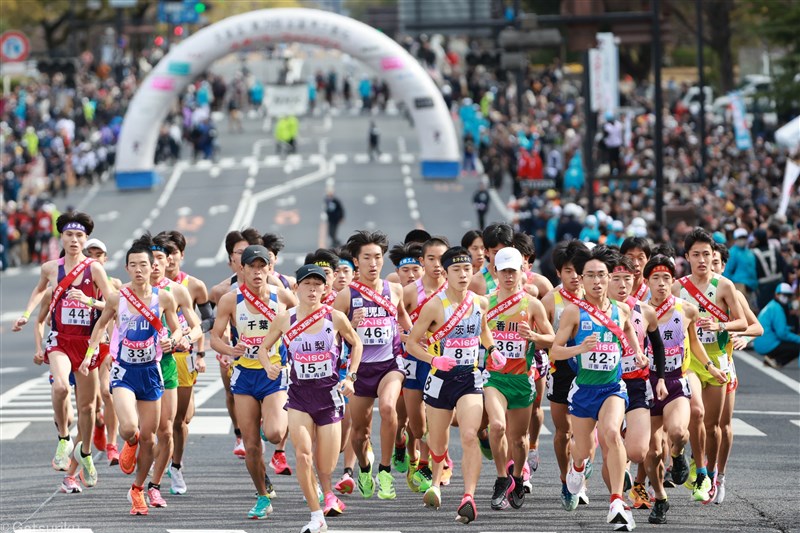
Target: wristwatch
(710,362)
(352,376)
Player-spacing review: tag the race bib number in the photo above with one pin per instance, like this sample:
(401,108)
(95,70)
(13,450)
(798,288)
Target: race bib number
(336,396)
(706,337)
(313,365)
(191,363)
(284,377)
(629,364)
(375,331)
(117,372)
(673,359)
(52,339)
(464,351)
(604,358)
(138,352)
(74,313)
(510,344)
(409,368)
(433,386)
(253,344)
(722,363)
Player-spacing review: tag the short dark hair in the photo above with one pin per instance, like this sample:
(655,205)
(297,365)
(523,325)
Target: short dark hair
(322,255)
(163,240)
(524,244)
(434,241)
(250,235)
(75,216)
(624,261)
(565,251)
(658,260)
(724,253)
(416,235)
(143,244)
(602,253)
(178,238)
(496,234)
(362,238)
(631,243)
(470,236)
(343,254)
(273,242)
(697,235)
(399,252)
(665,248)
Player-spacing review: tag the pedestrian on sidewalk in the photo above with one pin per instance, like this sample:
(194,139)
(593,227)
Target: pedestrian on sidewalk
(480,200)
(335,213)
(374,141)
(779,345)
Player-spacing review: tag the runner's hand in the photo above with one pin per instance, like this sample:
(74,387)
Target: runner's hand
(84,368)
(443,363)
(589,343)
(498,359)
(717,374)
(641,360)
(524,330)
(240,349)
(21,321)
(38,357)
(200,365)
(661,390)
(76,294)
(273,371)
(346,388)
(358,315)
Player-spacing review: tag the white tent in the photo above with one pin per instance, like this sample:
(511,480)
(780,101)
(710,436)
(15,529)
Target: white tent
(788,136)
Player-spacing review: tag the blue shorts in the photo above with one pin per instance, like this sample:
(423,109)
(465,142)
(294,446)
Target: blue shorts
(144,380)
(416,372)
(585,401)
(444,389)
(255,382)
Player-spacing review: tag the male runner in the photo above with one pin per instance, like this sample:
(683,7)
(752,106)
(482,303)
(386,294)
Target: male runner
(639,251)
(495,237)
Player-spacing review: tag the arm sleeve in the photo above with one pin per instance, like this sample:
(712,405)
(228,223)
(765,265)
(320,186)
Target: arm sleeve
(206,316)
(658,351)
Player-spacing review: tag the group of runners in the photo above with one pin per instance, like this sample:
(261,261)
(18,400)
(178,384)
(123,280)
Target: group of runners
(632,360)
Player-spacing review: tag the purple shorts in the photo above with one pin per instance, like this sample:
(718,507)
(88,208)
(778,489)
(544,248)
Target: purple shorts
(324,406)
(677,387)
(443,389)
(370,376)
(542,362)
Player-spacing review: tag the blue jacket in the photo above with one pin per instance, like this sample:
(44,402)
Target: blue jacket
(741,267)
(776,330)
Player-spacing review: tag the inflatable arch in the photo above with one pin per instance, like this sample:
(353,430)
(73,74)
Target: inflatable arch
(438,143)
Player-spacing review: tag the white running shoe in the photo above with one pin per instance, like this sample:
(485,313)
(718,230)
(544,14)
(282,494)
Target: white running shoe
(533,459)
(720,496)
(583,498)
(316,525)
(177,484)
(575,480)
(621,515)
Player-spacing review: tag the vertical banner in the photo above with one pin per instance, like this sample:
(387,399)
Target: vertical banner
(609,74)
(627,135)
(789,179)
(740,128)
(596,79)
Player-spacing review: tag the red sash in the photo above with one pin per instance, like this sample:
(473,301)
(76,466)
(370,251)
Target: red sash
(415,315)
(662,309)
(504,306)
(375,297)
(142,308)
(163,283)
(457,316)
(606,321)
(703,300)
(66,281)
(330,298)
(641,291)
(300,327)
(254,300)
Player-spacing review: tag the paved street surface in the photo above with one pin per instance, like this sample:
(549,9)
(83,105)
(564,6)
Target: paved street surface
(250,185)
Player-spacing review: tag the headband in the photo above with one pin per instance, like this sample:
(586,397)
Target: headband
(323,264)
(76,226)
(661,268)
(408,261)
(157,248)
(346,263)
(456,259)
(621,269)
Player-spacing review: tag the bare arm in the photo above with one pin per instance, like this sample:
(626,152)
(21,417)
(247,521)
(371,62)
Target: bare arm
(274,333)
(486,333)
(417,342)
(225,314)
(566,330)
(349,335)
(542,335)
(36,296)
(402,314)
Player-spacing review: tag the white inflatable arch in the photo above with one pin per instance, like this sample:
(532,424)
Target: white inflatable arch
(438,143)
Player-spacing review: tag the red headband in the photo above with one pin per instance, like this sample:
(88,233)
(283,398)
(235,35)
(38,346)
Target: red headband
(621,269)
(660,268)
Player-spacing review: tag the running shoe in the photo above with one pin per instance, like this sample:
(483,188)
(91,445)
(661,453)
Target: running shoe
(177,483)
(583,498)
(627,483)
(668,483)
(63,453)
(702,486)
(720,496)
(386,486)
(712,492)
(366,485)
(447,473)
(112,452)
(422,479)
(467,511)
(486,446)
(261,509)
(401,459)
(502,488)
(568,500)
(138,505)
(315,526)
(88,473)
(99,436)
(575,480)
(533,459)
(270,487)
(238,449)
(680,469)
(659,513)
(526,478)
(154,495)
(346,485)
(333,505)
(279,465)
(517,496)
(127,459)
(690,481)
(432,498)
(619,513)
(70,485)
(639,497)
(589,468)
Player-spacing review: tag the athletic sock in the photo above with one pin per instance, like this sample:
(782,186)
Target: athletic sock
(702,470)
(176,466)
(575,467)
(382,468)
(238,433)
(152,485)
(615,497)
(86,454)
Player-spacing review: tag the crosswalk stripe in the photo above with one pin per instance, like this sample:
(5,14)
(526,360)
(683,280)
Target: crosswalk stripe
(743,429)
(796,422)
(206,531)
(210,425)
(11,430)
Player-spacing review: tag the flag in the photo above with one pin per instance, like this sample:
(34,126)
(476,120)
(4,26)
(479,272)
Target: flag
(789,179)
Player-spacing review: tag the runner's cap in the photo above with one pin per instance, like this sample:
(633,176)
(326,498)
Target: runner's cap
(95,243)
(308,271)
(253,252)
(508,258)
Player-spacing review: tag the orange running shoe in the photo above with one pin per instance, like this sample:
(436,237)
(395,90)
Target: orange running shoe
(127,459)
(112,452)
(136,497)
(278,463)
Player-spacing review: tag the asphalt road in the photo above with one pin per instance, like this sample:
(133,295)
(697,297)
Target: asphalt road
(250,185)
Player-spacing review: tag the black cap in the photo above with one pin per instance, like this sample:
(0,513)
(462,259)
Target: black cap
(253,252)
(307,271)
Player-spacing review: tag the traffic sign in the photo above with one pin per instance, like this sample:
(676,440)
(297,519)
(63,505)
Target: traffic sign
(172,12)
(14,46)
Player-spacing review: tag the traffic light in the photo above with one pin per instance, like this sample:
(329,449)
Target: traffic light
(178,31)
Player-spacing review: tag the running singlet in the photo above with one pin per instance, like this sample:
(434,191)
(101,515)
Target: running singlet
(715,342)
(165,284)
(505,333)
(378,329)
(673,333)
(71,317)
(462,343)
(558,308)
(314,356)
(603,365)
(252,328)
(135,340)
(629,368)
(491,284)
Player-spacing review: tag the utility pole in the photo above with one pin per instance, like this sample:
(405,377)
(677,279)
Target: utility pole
(701,123)
(658,107)
(588,141)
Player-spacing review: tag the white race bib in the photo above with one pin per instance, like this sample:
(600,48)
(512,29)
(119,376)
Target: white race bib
(722,363)
(673,358)
(706,337)
(464,351)
(375,331)
(510,344)
(409,368)
(117,372)
(74,313)
(433,386)
(253,344)
(138,352)
(313,365)
(604,358)
(629,364)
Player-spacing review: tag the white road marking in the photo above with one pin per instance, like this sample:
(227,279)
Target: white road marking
(370,199)
(776,413)
(743,429)
(11,369)
(340,159)
(215,172)
(227,162)
(360,158)
(218,209)
(11,430)
(272,160)
(204,164)
(505,212)
(210,425)
(183,211)
(771,372)
(107,217)
(10,316)
(407,158)
(206,531)
(7,397)
(174,178)
(796,422)
(385,158)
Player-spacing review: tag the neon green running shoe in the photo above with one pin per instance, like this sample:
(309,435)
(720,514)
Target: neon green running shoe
(63,451)
(412,469)
(692,475)
(702,487)
(422,479)
(386,486)
(401,459)
(365,483)
(88,473)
